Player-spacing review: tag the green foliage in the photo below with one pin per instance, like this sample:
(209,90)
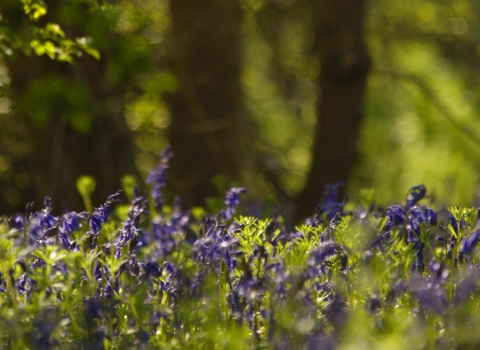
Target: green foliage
(348,278)
(44,38)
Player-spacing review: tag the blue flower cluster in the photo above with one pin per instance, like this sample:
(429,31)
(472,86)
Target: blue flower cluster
(152,280)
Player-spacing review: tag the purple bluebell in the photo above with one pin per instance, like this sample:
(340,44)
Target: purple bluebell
(114,198)
(415,194)
(318,256)
(150,269)
(232,200)
(470,242)
(157,177)
(69,223)
(23,285)
(102,212)
(47,220)
(95,223)
(17,222)
(101,273)
(430,216)
(94,309)
(329,205)
(396,217)
(419,263)
(127,232)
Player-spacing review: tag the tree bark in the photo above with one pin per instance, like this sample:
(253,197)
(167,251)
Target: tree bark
(208,120)
(345,65)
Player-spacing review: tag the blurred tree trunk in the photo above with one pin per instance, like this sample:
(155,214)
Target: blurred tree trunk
(208,119)
(345,65)
(72,120)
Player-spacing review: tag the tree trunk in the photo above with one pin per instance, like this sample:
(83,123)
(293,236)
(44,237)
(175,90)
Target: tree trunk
(208,119)
(344,68)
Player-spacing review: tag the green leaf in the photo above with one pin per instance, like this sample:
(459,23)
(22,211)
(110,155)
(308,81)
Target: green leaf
(37,47)
(38,11)
(85,43)
(50,49)
(92,52)
(52,28)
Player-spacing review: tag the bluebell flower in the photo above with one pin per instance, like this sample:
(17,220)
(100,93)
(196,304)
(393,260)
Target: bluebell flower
(102,213)
(64,240)
(419,263)
(318,256)
(396,217)
(232,200)
(138,207)
(430,216)
(70,223)
(169,268)
(47,220)
(127,231)
(25,285)
(157,177)
(416,215)
(329,205)
(133,266)
(94,309)
(470,242)
(150,269)
(17,222)
(415,194)
(114,198)
(95,223)
(101,273)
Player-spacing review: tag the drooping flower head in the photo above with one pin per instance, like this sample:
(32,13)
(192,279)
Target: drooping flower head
(415,194)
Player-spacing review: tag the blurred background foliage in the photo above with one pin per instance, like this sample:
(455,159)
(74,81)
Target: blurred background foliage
(421,108)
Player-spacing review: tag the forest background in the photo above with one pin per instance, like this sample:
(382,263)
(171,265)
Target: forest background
(281,96)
